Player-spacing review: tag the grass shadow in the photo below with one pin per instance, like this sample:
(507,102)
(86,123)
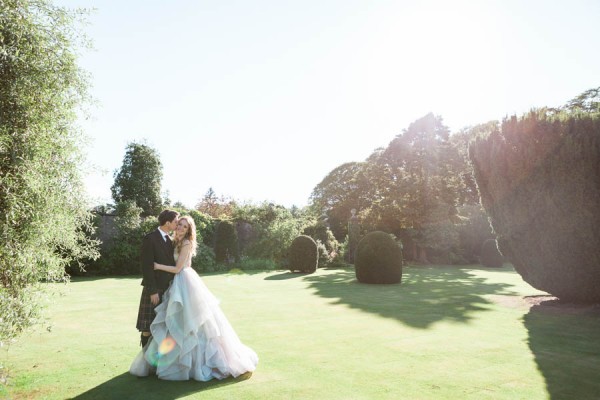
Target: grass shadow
(77,279)
(285,275)
(127,386)
(566,344)
(232,271)
(425,296)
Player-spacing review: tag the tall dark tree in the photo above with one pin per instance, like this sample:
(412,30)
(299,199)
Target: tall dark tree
(416,186)
(43,212)
(337,194)
(139,179)
(384,195)
(539,179)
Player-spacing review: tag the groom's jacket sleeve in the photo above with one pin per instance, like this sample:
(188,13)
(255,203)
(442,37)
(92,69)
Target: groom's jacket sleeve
(147,258)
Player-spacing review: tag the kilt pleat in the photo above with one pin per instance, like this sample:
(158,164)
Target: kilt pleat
(146,312)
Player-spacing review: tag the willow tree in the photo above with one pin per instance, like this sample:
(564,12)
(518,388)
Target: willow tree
(539,179)
(43,215)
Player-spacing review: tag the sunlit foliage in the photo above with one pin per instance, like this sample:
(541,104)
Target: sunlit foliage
(539,179)
(45,219)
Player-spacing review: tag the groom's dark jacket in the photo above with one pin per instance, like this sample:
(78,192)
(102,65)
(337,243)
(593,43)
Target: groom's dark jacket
(156,249)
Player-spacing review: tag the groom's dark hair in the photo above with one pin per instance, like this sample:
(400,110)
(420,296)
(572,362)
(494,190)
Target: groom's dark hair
(167,216)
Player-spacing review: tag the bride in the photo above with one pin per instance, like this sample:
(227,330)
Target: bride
(191,337)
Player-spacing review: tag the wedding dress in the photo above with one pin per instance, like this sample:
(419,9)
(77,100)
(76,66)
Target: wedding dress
(191,337)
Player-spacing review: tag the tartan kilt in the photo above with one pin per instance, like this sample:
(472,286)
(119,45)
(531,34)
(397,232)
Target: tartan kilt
(146,312)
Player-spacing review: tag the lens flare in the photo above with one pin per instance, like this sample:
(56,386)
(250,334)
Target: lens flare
(161,354)
(166,345)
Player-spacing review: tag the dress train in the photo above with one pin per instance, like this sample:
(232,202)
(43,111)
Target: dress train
(191,337)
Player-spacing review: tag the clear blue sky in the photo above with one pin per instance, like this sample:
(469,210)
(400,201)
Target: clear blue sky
(261,99)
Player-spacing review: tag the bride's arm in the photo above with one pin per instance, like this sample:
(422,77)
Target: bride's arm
(184,253)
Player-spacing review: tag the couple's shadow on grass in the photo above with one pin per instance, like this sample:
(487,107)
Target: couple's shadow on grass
(127,386)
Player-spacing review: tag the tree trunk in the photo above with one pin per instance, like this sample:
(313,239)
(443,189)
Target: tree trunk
(422,251)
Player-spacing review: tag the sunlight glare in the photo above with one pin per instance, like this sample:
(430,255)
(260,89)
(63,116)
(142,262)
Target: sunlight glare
(449,64)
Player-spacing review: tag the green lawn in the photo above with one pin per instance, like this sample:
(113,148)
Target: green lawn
(444,333)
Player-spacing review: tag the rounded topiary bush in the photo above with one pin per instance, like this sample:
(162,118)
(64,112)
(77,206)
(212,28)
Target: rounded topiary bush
(303,255)
(490,255)
(378,259)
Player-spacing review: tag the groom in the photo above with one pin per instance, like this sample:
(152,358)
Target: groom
(156,247)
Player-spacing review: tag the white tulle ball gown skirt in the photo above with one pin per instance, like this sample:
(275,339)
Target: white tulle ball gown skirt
(191,337)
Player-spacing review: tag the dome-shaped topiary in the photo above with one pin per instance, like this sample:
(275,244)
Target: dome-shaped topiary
(304,255)
(378,259)
(490,255)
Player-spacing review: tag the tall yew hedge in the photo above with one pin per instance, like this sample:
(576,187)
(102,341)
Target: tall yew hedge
(539,181)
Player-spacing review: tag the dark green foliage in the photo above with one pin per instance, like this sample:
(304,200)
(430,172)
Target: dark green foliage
(338,193)
(268,230)
(45,222)
(416,183)
(539,179)
(120,254)
(378,259)
(303,254)
(226,243)
(205,260)
(327,244)
(490,255)
(205,225)
(473,231)
(121,249)
(139,179)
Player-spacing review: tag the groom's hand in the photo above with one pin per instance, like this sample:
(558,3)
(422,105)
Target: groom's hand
(154,299)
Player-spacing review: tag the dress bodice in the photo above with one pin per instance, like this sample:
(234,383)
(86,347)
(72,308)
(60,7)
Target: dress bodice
(188,262)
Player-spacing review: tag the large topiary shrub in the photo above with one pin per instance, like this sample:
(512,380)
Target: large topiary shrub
(378,259)
(490,255)
(226,244)
(303,254)
(539,181)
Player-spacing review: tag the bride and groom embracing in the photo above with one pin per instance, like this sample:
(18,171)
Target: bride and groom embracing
(184,333)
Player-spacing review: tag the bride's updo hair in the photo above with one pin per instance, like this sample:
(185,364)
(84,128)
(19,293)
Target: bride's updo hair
(190,235)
